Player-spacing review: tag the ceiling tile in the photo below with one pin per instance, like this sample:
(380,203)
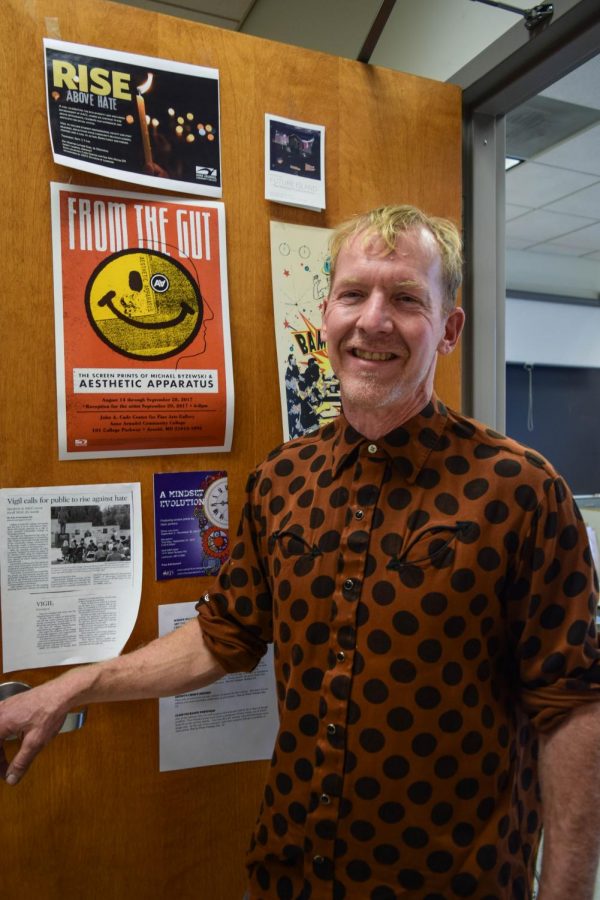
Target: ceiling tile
(585,240)
(542,225)
(512,210)
(555,248)
(580,154)
(532,184)
(581,203)
(514,243)
(579,86)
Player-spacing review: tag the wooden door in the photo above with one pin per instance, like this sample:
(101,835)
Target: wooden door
(94,818)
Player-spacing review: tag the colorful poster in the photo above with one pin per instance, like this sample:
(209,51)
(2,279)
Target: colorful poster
(300,270)
(191,522)
(294,162)
(142,120)
(143,350)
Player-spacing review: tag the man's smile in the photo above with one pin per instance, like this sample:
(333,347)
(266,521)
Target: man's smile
(371,355)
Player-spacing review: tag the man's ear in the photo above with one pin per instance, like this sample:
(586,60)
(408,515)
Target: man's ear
(323,322)
(452,331)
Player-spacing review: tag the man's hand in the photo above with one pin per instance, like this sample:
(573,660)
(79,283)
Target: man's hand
(36,716)
(170,665)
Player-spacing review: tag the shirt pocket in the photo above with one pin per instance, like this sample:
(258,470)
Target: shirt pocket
(435,546)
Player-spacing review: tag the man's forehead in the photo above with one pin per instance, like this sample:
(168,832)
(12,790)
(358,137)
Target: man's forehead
(416,239)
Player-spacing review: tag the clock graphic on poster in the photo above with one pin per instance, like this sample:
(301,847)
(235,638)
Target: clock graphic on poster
(216,506)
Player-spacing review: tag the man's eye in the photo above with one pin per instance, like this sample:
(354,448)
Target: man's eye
(407,298)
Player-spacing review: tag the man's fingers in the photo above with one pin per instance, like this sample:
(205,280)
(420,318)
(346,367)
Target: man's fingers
(3,762)
(23,758)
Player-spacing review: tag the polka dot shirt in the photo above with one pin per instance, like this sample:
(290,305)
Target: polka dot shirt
(431,599)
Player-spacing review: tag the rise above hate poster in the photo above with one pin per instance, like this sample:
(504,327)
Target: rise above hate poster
(139,119)
(143,350)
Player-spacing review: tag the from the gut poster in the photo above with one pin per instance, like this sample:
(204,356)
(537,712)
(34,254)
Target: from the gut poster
(300,271)
(143,349)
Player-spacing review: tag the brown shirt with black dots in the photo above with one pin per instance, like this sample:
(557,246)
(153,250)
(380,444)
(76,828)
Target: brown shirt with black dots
(429,595)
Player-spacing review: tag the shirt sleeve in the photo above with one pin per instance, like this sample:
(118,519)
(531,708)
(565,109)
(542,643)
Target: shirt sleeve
(236,615)
(551,606)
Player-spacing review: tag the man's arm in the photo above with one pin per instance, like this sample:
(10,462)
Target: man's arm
(177,662)
(569,763)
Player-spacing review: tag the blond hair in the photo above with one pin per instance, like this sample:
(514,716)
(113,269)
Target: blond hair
(388,222)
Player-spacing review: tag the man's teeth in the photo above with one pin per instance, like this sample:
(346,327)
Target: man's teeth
(365,354)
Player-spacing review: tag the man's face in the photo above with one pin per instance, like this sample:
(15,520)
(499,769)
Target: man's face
(384,322)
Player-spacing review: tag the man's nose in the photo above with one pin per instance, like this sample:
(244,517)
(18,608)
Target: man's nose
(375,313)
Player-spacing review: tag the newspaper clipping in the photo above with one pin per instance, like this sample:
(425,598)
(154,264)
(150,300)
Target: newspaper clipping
(71,572)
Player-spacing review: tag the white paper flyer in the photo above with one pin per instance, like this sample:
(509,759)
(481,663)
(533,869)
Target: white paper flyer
(71,573)
(233,720)
(294,162)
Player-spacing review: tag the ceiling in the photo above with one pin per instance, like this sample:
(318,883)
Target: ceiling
(553,198)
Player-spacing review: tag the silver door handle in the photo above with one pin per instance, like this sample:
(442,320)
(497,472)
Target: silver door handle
(73,720)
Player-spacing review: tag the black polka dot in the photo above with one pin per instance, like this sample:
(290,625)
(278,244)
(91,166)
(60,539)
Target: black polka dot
(358,870)
(367,788)
(376,691)
(405,623)
(447,504)
(371,740)
(464,884)
(396,767)
(496,512)
(553,616)
(399,498)
(317,633)
(457,465)
(410,879)
(428,697)
(526,497)
(440,861)
(441,813)
(429,650)
(362,830)
(424,744)
(574,584)
(403,670)
(420,792)
(415,838)
(476,488)
(507,468)
(400,719)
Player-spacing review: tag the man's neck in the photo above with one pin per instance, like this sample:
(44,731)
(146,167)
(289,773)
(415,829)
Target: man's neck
(375,423)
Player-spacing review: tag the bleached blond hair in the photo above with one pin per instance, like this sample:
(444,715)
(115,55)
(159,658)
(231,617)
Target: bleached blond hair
(388,222)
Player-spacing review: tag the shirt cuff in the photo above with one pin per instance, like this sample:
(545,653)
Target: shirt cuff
(235,647)
(547,707)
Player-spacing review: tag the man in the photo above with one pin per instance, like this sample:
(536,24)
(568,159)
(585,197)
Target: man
(429,590)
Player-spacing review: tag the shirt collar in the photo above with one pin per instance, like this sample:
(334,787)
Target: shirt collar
(408,446)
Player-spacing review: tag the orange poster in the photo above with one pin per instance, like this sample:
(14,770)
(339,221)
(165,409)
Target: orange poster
(143,349)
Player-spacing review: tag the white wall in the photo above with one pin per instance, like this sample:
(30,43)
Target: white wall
(557,334)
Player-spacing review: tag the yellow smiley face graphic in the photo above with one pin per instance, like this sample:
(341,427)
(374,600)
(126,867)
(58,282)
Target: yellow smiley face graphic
(143,304)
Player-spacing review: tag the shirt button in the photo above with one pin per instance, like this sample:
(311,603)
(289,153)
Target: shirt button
(340,656)
(325,799)
(359,514)
(348,584)
(331,728)
(318,860)
(372,448)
